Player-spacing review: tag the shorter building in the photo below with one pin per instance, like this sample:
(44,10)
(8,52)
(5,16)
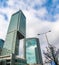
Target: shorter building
(33,51)
(1,44)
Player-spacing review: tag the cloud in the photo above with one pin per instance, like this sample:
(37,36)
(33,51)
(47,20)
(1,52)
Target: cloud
(3,27)
(4,15)
(51,7)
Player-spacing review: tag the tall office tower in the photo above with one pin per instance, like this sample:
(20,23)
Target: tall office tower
(33,51)
(1,44)
(16,31)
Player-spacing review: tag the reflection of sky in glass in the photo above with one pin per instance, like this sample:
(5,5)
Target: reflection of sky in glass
(21,48)
(30,50)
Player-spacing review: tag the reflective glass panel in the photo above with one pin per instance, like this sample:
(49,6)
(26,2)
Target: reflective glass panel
(31,44)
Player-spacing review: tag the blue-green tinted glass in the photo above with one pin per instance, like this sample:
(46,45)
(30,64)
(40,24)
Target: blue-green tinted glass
(1,43)
(31,44)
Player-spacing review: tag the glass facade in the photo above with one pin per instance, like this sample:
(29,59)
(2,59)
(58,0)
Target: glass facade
(1,43)
(18,22)
(30,51)
(33,52)
(16,31)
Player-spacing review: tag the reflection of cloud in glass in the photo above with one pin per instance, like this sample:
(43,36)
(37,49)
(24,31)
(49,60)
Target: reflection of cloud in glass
(31,54)
(31,47)
(31,44)
(30,50)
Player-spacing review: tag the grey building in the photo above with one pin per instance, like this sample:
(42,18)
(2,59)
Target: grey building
(33,51)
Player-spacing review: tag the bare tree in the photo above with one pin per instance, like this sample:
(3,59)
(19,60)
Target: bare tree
(51,54)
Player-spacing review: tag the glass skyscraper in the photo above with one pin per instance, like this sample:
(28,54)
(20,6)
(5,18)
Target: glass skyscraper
(33,51)
(16,32)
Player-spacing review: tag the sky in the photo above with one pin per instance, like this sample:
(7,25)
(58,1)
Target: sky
(41,16)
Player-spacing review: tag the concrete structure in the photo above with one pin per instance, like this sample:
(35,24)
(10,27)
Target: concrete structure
(33,51)
(16,31)
(1,45)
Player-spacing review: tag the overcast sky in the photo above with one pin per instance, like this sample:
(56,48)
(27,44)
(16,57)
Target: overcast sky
(41,16)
